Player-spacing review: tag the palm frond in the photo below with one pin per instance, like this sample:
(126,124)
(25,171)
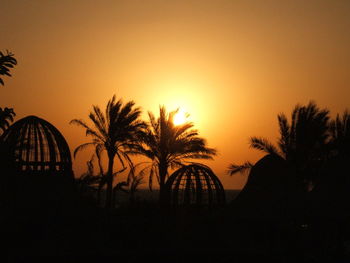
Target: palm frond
(6,117)
(81,147)
(284,142)
(119,171)
(150,179)
(99,121)
(239,168)
(79,123)
(7,61)
(263,145)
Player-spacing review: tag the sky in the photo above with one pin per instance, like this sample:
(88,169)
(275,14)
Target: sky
(232,65)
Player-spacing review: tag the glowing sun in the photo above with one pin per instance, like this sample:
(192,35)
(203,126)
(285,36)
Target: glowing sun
(180,117)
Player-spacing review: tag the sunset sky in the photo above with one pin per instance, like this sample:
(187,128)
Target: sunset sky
(232,65)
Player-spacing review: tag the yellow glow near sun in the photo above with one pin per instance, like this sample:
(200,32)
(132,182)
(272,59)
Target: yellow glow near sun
(183,94)
(180,117)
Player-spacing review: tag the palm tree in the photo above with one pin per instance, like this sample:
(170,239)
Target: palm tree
(7,61)
(340,134)
(130,186)
(6,116)
(113,132)
(7,163)
(88,182)
(303,142)
(169,146)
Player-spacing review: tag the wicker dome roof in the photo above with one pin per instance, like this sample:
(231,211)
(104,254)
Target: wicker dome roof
(37,147)
(195,184)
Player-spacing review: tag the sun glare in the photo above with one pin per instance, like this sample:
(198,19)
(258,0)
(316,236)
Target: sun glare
(180,117)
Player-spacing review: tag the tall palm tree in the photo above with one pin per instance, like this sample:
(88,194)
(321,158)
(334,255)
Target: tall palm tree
(113,132)
(7,61)
(6,116)
(303,142)
(169,146)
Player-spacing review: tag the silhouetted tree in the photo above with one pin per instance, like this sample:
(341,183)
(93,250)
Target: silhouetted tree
(303,142)
(134,181)
(6,117)
(7,61)
(113,132)
(168,146)
(88,183)
(340,135)
(130,186)
(7,165)
(334,184)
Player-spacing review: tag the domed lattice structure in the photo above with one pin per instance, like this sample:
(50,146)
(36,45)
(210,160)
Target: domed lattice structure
(195,184)
(38,148)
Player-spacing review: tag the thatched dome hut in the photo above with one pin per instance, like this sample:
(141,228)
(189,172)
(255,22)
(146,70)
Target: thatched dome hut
(37,170)
(38,148)
(195,185)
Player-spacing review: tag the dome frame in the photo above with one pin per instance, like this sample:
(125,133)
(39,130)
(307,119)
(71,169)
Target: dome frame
(37,148)
(195,185)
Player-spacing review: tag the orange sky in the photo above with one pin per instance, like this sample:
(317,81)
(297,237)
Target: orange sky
(233,65)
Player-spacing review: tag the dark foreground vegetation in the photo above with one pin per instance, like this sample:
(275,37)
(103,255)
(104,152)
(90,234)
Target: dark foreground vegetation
(76,231)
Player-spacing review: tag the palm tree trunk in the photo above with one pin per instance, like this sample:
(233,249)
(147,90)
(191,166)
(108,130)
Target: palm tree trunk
(109,193)
(162,176)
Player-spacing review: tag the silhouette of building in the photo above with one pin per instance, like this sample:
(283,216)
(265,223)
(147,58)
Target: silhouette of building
(271,191)
(196,185)
(38,148)
(38,167)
